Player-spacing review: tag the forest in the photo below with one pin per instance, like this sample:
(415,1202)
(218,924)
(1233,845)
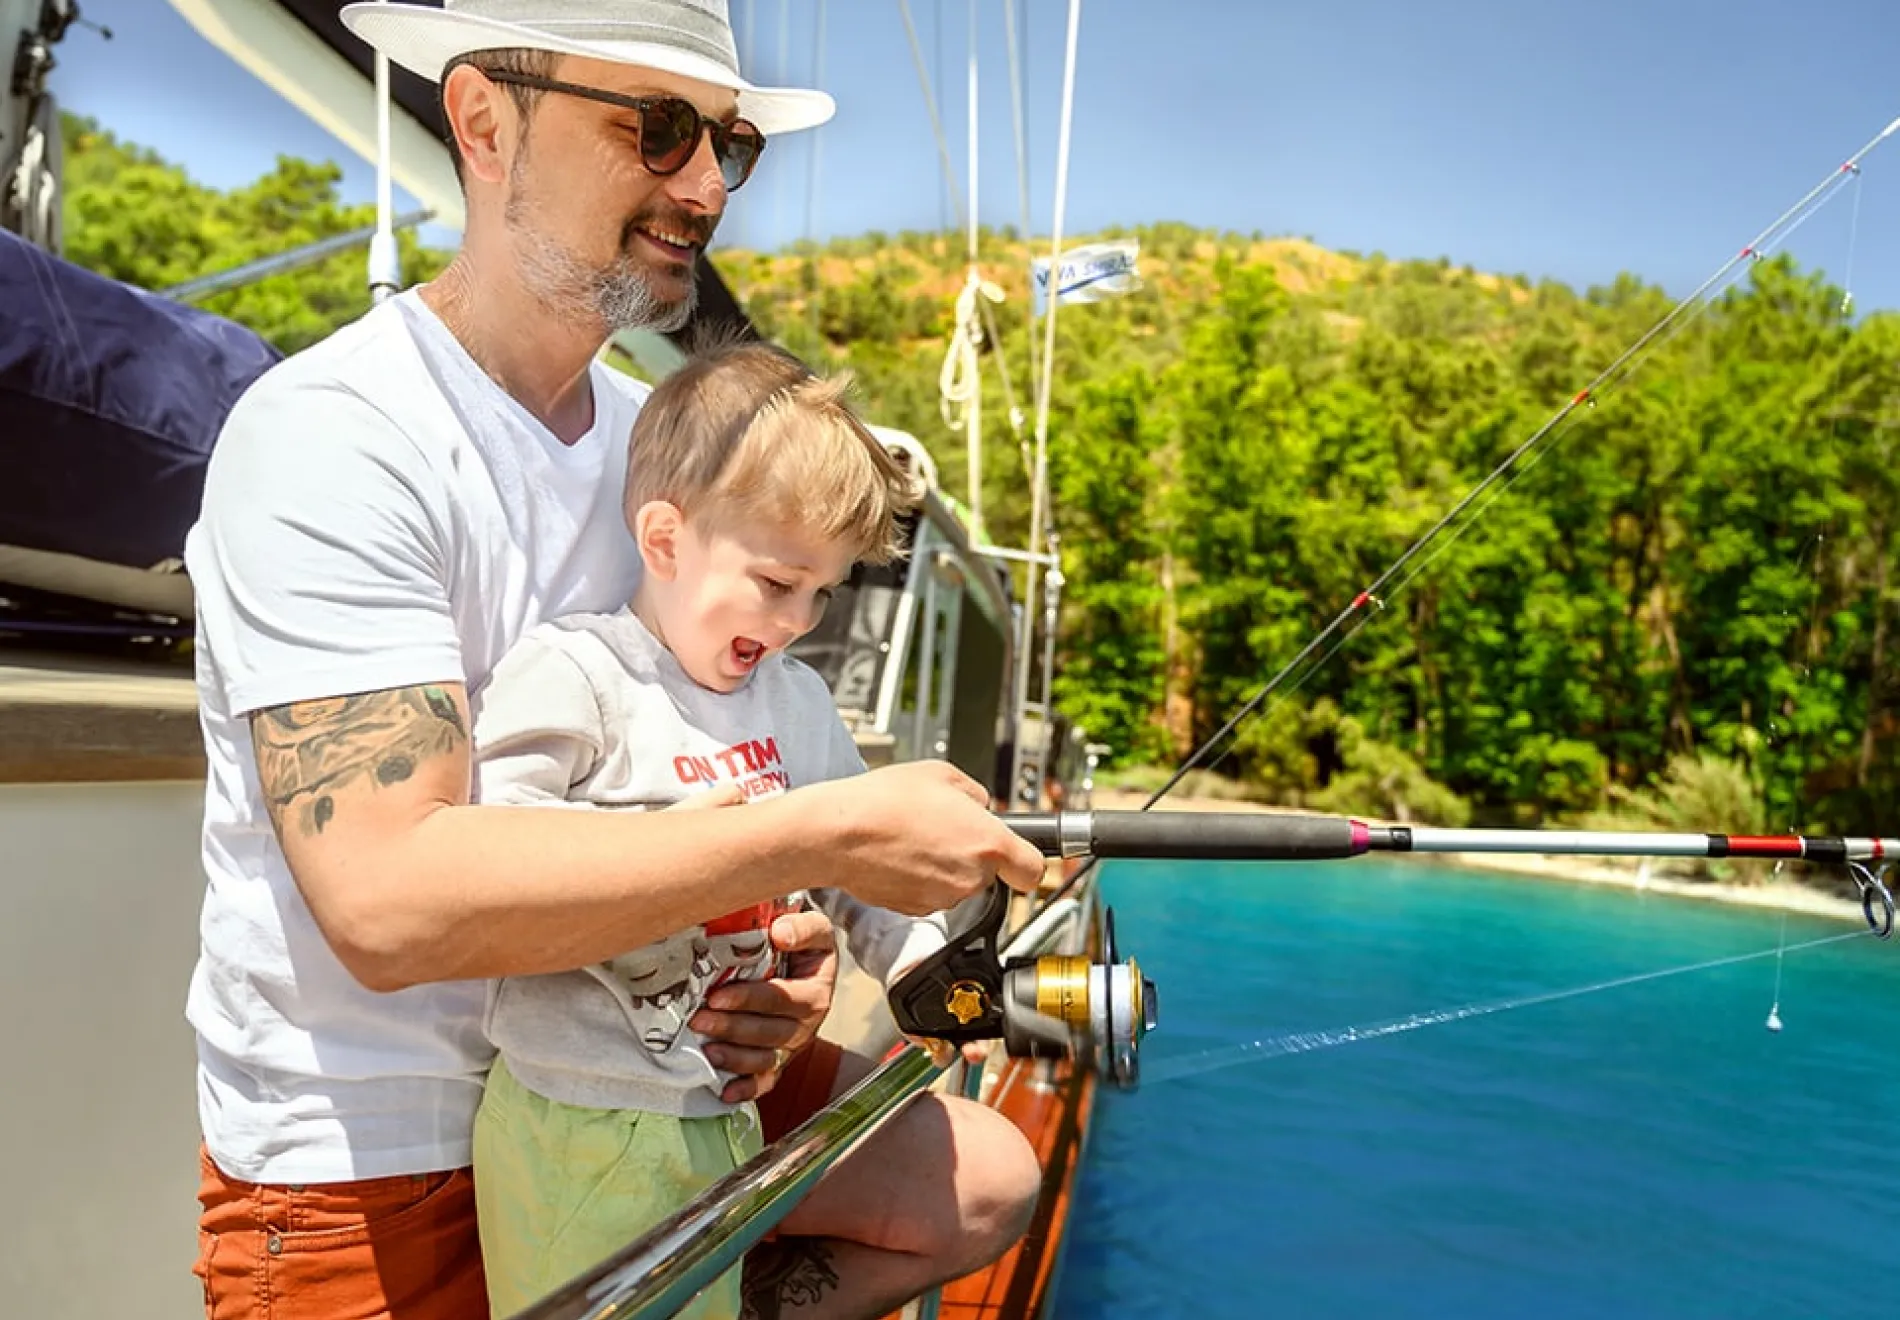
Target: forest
(1678,614)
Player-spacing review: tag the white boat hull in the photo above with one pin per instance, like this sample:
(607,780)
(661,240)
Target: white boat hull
(98,933)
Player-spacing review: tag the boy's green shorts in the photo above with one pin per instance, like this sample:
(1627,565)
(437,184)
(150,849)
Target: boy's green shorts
(559,1188)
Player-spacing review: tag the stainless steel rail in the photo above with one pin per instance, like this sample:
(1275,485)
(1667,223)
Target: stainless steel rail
(264,267)
(661,1271)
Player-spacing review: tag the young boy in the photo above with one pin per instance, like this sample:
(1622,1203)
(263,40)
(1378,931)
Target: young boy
(751,491)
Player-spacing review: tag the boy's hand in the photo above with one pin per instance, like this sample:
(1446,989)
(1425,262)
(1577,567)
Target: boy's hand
(915,838)
(754,1026)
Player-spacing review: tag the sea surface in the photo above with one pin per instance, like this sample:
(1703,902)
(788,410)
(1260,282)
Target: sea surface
(1644,1150)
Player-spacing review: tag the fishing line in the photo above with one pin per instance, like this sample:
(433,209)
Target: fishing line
(1347,621)
(1774,1008)
(1519,464)
(1853,236)
(1773,1022)
(1521,461)
(1305,1042)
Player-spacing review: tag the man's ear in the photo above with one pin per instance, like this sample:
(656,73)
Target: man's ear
(657,529)
(484,122)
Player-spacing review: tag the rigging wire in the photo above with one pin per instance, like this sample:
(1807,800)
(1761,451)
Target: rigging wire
(782,73)
(930,107)
(815,145)
(1018,58)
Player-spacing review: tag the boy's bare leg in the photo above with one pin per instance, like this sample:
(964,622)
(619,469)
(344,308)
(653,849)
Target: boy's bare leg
(944,1188)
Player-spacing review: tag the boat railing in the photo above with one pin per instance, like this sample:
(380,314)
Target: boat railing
(296,258)
(659,1272)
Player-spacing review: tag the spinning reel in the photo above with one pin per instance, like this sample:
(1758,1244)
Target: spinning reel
(1055,1006)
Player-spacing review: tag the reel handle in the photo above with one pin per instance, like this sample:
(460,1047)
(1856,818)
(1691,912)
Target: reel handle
(1053,1006)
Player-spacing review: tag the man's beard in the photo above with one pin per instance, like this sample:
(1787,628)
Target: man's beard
(618,295)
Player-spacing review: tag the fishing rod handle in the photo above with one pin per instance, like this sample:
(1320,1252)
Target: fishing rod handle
(1189,835)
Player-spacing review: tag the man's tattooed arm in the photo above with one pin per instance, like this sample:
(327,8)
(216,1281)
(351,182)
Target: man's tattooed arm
(313,757)
(786,1275)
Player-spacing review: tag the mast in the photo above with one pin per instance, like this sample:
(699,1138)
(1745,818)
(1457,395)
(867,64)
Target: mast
(1039,475)
(973,415)
(385,258)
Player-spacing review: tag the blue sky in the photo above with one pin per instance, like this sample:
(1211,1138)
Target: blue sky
(1571,141)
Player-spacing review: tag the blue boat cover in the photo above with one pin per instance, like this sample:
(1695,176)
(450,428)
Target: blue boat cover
(110,401)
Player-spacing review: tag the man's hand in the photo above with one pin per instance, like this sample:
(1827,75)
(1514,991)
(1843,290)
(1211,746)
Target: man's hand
(754,1026)
(943,1053)
(917,838)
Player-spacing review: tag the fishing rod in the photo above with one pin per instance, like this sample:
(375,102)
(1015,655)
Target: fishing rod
(1232,836)
(1388,582)
(1098,1009)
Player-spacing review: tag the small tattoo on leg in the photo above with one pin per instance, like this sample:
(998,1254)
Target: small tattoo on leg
(789,1274)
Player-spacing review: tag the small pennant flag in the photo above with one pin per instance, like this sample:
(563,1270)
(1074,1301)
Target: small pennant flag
(1090,273)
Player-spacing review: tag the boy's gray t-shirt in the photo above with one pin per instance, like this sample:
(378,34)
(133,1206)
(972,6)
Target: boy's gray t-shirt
(592,711)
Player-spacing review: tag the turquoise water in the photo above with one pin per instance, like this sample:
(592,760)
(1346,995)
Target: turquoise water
(1650,1150)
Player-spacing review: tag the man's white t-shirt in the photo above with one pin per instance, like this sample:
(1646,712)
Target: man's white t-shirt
(378,513)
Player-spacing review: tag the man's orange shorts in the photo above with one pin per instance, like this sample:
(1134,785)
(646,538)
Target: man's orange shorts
(403,1248)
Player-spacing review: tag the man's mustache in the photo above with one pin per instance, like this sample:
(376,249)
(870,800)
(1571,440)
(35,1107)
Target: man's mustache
(698,228)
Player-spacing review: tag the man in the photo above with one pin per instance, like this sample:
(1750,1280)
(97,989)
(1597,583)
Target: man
(384,515)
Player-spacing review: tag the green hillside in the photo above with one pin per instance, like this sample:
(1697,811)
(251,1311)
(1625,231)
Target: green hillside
(1684,610)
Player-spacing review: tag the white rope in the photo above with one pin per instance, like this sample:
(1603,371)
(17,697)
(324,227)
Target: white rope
(957,380)
(959,384)
(960,390)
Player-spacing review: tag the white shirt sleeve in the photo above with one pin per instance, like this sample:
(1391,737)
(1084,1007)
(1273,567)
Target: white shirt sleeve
(539,730)
(884,943)
(319,558)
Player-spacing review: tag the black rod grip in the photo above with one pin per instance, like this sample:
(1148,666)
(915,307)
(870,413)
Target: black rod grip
(1219,836)
(1039,828)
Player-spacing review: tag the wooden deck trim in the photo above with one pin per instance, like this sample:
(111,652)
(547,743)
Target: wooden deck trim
(68,720)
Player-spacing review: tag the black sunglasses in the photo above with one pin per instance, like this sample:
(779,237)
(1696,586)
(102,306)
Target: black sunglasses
(669,128)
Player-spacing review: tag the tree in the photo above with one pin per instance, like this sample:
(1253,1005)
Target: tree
(1103,476)
(131,215)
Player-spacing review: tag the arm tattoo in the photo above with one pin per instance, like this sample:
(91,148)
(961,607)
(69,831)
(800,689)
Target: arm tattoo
(310,750)
(784,1274)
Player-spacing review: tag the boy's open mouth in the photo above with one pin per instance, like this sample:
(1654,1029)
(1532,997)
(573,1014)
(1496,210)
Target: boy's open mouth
(747,653)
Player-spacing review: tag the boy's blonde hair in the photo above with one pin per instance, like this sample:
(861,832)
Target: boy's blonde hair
(745,432)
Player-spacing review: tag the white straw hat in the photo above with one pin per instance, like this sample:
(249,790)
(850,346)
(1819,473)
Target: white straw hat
(691,38)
